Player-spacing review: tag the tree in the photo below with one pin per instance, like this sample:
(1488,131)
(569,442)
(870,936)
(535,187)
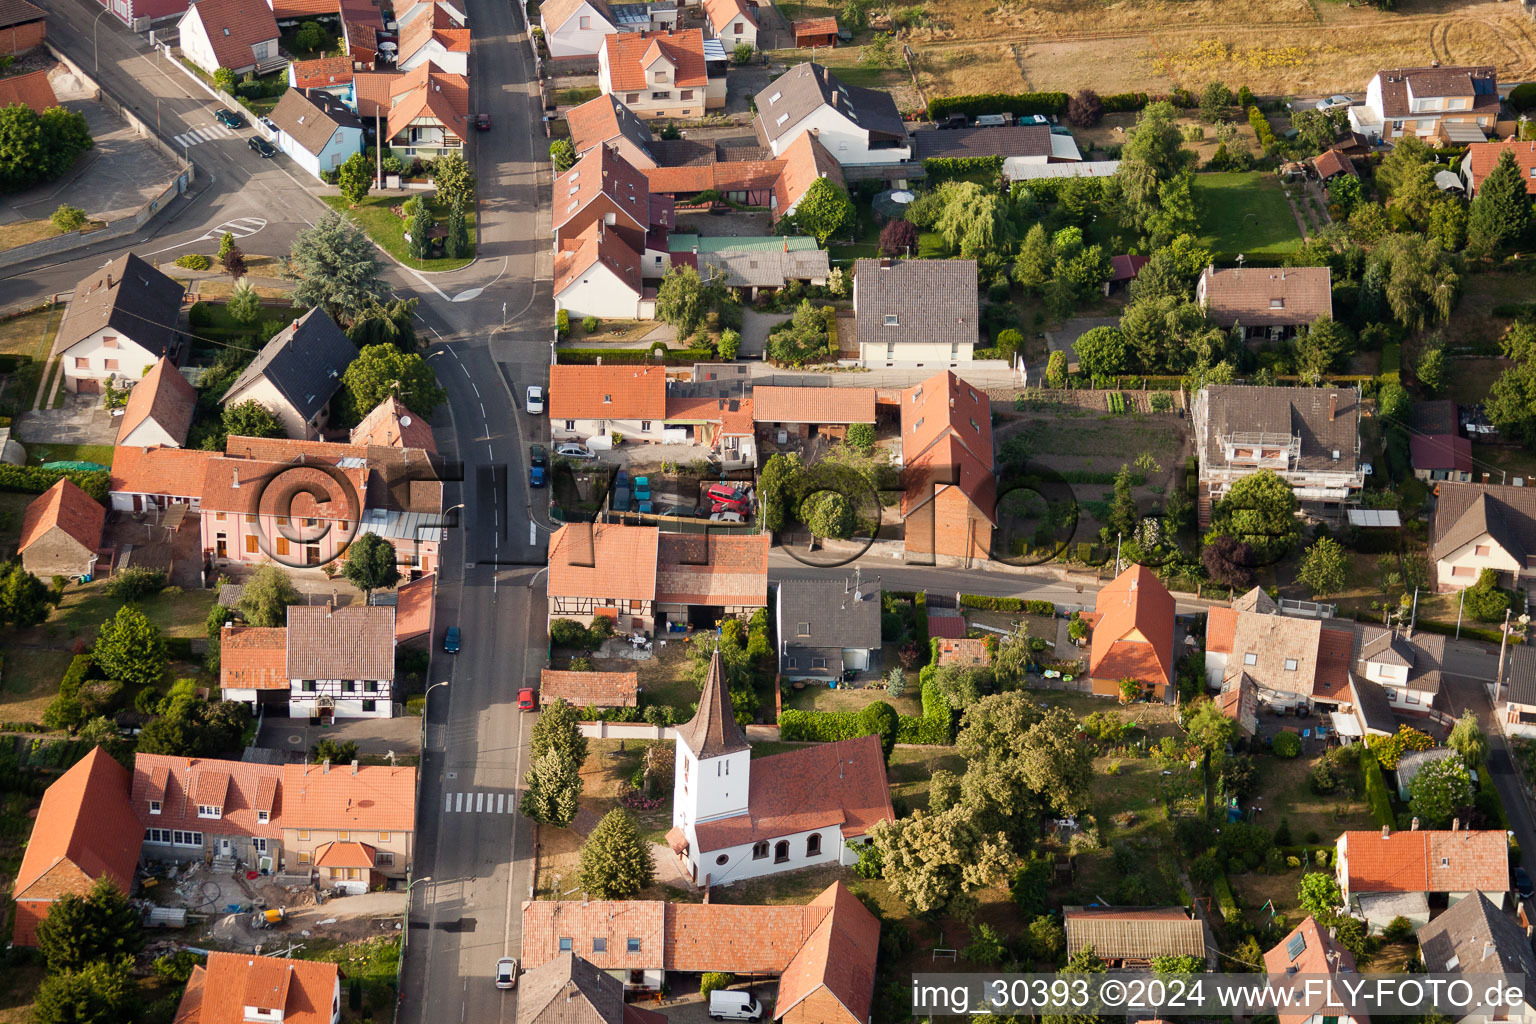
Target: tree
(100,925)
(330,750)
(456,244)
(454,180)
(1467,740)
(1389,749)
(1229,562)
(1501,211)
(67,218)
(1035,262)
(1214,101)
(1085,109)
(386,323)
(265,598)
(1417,280)
(860,437)
(1325,570)
(310,36)
(39,147)
(244,304)
(1124,516)
(933,863)
(1259,510)
(1319,895)
(224,79)
(1171,270)
(1154,154)
(101,992)
(1319,346)
(974,220)
(742,54)
(1005,738)
(336,267)
(730,344)
(1485,601)
(898,238)
(554,790)
(370,563)
(383,370)
(1178,965)
(775,488)
(130,648)
(827,514)
(1316,129)
(1056,369)
(682,299)
(1512,398)
(251,419)
(1439,790)
(24,599)
(616,860)
(563,155)
(557,730)
(1169,334)
(824,210)
(1430,369)
(1209,729)
(419,241)
(355,178)
(1101,352)
(1408,153)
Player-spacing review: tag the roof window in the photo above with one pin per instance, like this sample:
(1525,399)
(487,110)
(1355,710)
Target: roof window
(775,97)
(893,320)
(1276,303)
(1250,658)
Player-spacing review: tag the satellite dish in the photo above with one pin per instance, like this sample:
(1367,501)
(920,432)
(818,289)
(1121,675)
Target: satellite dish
(405,421)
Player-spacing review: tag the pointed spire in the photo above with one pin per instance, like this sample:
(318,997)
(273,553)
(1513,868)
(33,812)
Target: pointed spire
(713,730)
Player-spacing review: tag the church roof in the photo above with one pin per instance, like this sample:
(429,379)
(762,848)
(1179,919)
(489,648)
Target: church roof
(713,730)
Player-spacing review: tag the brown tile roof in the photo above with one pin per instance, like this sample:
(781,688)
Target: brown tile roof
(713,731)
(413,608)
(1220,628)
(721,12)
(300,8)
(1007,141)
(163,396)
(946,436)
(431,93)
(310,117)
(571,990)
(607,392)
(715,569)
(241,788)
(602,172)
(934,301)
(741,939)
(304,990)
(127,295)
(30,90)
(603,560)
(1412,861)
(1137,933)
(283,488)
(1330,163)
(805,161)
(392,425)
(839,956)
(86,825)
(174,472)
(1319,954)
(19,12)
(438,25)
(366,798)
(723,176)
(545,922)
(1478,938)
(234,27)
(1248,295)
(604,118)
(947,461)
(1275,640)
(731,416)
(344,855)
(630,54)
(66,507)
(1335,654)
(1479,83)
(322,72)
(1297,412)
(373,90)
(1483,157)
(1134,634)
(840,783)
(815,27)
(350,642)
(813,405)
(1466,512)
(253,658)
(589,689)
(1127,266)
(593,247)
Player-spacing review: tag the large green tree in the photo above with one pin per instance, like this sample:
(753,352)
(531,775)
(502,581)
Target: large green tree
(1319,896)
(776,489)
(935,863)
(824,210)
(1102,352)
(24,599)
(1035,262)
(1169,335)
(1501,210)
(1153,156)
(1511,401)
(1325,569)
(683,298)
(616,861)
(1319,346)
(557,729)
(354,178)
(100,925)
(265,598)
(336,267)
(1467,740)
(553,791)
(38,147)
(1439,790)
(827,514)
(130,648)
(454,180)
(383,370)
(1171,270)
(974,221)
(370,563)
(101,992)
(1260,511)
(1412,278)
(386,323)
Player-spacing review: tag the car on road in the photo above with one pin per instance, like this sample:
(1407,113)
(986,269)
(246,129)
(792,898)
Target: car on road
(536,476)
(538,466)
(228,118)
(1523,883)
(535,400)
(262,147)
(451,640)
(571,450)
(482,122)
(506,972)
(726,517)
(525,699)
(1329,102)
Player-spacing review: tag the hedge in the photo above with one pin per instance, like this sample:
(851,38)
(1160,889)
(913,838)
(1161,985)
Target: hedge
(632,356)
(1007,604)
(937,725)
(1261,128)
(1514,310)
(1124,102)
(920,620)
(999,103)
(36,479)
(940,169)
(1376,788)
(1522,97)
(1223,892)
(1492,636)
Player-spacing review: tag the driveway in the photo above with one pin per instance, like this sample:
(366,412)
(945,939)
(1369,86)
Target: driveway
(80,420)
(755,326)
(295,737)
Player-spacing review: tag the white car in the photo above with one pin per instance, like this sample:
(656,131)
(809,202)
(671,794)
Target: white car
(572,450)
(1333,101)
(506,972)
(726,517)
(535,400)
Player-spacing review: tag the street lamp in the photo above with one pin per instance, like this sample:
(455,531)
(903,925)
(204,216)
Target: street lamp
(96,46)
(426,701)
(423,878)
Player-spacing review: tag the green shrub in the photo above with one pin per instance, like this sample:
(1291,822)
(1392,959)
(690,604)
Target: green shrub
(1375,786)
(1261,128)
(711,981)
(136,583)
(999,103)
(563,322)
(590,324)
(194,261)
(36,479)
(1523,97)
(1286,745)
(67,218)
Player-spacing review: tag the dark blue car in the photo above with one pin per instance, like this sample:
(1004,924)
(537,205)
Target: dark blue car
(451,640)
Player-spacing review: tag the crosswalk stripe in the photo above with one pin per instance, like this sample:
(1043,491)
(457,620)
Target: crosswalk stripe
(479,802)
(501,798)
(207,134)
(448,807)
(459,803)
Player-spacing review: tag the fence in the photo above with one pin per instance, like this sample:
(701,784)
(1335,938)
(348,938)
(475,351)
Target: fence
(626,731)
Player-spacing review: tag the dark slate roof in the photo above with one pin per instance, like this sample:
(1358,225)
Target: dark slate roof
(1437,417)
(1375,710)
(837,613)
(1464,512)
(1423,654)
(19,12)
(1520,675)
(933,301)
(127,295)
(806,87)
(713,730)
(304,361)
(1006,141)
(1480,938)
(1296,411)
(570,990)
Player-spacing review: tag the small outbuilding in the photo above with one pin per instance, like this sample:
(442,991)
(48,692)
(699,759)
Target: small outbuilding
(61,532)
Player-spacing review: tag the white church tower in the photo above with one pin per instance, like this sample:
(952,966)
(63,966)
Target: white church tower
(714,761)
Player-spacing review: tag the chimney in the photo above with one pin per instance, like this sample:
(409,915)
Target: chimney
(236,483)
(1415,826)
(354,766)
(1485,479)
(1386,830)
(1333,406)
(1455,824)
(325,769)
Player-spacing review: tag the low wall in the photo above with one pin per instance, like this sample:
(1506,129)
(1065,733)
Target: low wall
(626,731)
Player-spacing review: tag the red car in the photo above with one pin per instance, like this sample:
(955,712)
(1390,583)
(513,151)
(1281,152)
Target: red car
(525,699)
(483,122)
(726,494)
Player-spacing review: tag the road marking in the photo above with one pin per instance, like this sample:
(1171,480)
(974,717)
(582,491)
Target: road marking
(240,227)
(203,133)
(479,802)
(501,799)
(476,388)
(448,806)
(460,802)
(482,414)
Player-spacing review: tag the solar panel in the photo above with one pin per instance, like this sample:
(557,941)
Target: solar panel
(1294,947)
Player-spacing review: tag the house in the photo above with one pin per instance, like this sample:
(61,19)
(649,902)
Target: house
(32,90)
(330,74)
(1427,102)
(964,653)
(1129,937)
(240,35)
(948,492)
(761,273)
(1133,629)
(236,988)
(61,532)
(1370,713)
(597,401)
(570,990)
(362,31)
(391,425)
(435,37)
(1453,863)
(735,817)
(1239,701)
(122,319)
(603,570)
(1404,664)
(597,274)
(1330,163)
(1308,436)
(1411,762)
(1475,937)
(23,26)
(1311,950)
(733,22)
(589,689)
(341,661)
(425,111)
(812,412)
(316,129)
(160,408)
(1021,143)
(856,125)
(576,28)
(1483,157)
(1289,660)
(1441,457)
(704,579)
(85,830)
(602,188)
(1515,693)
(721,425)
(811,32)
(1124,269)
(415,607)
(804,161)
(196,809)
(604,121)
(297,373)
(1483,526)
(827,627)
(1267,303)
(660,74)
(157,478)
(353,826)
(915,312)
(253,665)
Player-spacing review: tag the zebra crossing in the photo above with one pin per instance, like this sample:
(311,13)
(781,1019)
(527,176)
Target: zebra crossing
(480,802)
(204,133)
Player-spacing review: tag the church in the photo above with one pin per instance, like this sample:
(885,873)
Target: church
(734,817)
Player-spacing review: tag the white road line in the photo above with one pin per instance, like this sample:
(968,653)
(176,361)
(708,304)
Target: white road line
(482,414)
(479,802)
(458,802)
(449,806)
(501,799)
(476,388)
(489,453)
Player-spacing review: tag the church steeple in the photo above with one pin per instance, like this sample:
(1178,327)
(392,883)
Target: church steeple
(713,731)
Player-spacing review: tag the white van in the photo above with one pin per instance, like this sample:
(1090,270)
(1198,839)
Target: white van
(731,1005)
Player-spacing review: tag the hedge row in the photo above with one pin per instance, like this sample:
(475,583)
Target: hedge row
(1007,604)
(1376,788)
(1224,898)
(940,169)
(1488,635)
(632,356)
(36,479)
(1261,128)
(822,726)
(1124,102)
(999,103)
(10,362)
(1515,310)
(920,621)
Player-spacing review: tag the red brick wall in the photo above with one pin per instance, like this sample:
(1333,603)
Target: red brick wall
(20,38)
(29,914)
(959,523)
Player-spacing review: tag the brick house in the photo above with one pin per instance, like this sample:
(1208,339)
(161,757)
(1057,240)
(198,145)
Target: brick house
(23,26)
(391,425)
(236,988)
(1133,627)
(1483,526)
(435,37)
(354,826)
(192,809)
(949,495)
(157,478)
(596,401)
(297,373)
(603,570)
(160,409)
(61,532)
(122,319)
(1267,303)
(589,689)
(596,274)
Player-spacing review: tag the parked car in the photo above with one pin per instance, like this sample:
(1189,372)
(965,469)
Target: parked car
(228,118)
(536,476)
(525,699)
(483,122)
(729,1004)
(537,456)
(726,517)
(621,492)
(729,506)
(1337,100)
(678,510)
(1523,883)
(451,640)
(506,972)
(535,400)
(572,450)
(952,121)
(270,124)
(262,147)
(725,492)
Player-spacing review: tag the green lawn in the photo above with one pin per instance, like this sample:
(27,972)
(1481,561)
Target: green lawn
(101,454)
(1244,213)
(388,230)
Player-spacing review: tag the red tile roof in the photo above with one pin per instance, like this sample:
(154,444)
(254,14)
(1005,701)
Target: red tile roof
(631,54)
(1126,267)
(413,608)
(234,26)
(603,560)
(241,788)
(546,922)
(1335,653)
(436,24)
(946,423)
(391,424)
(31,90)
(598,120)
(85,829)
(66,507)
(589,689)
(715,569)
(813,405)
(173,472)
(961,651)
(304,990)
(815,27)
(1483,157)
(300,8)
(253,658)
(607,392)
(424,92)
(163,396)
(1319,954)
(1220,629)
(602,172)
(1442,451)
(1331,163)
(740,939)
(597,246)
(321,73)
(722,12)
(948,461)
(1134,634)
(368,798)
(839,956)
(1425,861)
(805,161)
(283,488)
(344,855)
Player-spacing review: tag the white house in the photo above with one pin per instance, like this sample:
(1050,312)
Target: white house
(341,661)
(1404,664)
(733,22)
(160,408)
(858,126)
(597,274)
(735,818)
(437,37)
(1484,526)
(316,129)
(575,28)
(122,319)
(1460,104)
(240,35)
(588,401)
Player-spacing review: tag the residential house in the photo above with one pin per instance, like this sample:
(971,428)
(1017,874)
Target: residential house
(196,809)
(1411,762)
(805,161)
(1404,664)
(1310,950)
(570,990)
(660,74)
(693,173)
(755,273)
(604,121)
(297,373)
(1308,436)
(1369,712)
(915,312)
(254,511)
(733,22)
(603,570)
(1290,660)
(61,532)
(341,661)
(602,188)
(812,32)
(1133,636)
(391,425)
(157,478)
(598,401)
(1129,937)
(949,495)
(85,830)
(236,988)
(316,129)
(1474,939)
(596,274)
(812,412)
(160,409)
(646,15)
(31,89)
(1239,701)
(436,37)
(1515,692)
(425,111)
(576,28)
(1457,104)
(735,817)
(1123,269)
(362,31)
(352,826)
(1022,143)
(415,607)
(721,425)
(1483,526)
(136,13)
(329,74)
(1483,157)
(253,666)
(1267,303)
(23,26)
(589,689)
(1455,863)
(827,627)
(1441,457)
(856,125)
(122,319)
(702,580)
(240,35)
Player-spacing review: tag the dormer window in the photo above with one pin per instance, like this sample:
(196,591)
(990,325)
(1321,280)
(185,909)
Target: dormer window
(802,629)
(781,119)
(210,811)
(262,817)
(154,807)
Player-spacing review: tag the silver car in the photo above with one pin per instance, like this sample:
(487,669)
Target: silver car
(506,972)
(571,450)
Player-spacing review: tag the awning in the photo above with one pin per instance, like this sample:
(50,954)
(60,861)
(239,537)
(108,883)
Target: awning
(1345,725)
(677,841)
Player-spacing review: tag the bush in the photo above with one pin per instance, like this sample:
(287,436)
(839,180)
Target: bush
(194,261)
(563,322)
(711,981)
(36,479)
(1398,929)
(136,583)
(1375,786)
(999,103)
(862,437)
(1261,128)
(589,324)
(67,218)
(1523,97)
(1286,745)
